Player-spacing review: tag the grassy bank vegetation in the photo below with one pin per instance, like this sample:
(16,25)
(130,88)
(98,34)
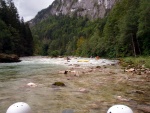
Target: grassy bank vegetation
(136,62)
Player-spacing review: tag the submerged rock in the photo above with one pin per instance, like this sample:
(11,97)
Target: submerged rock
(94,106)
(68,111)
(63,72)
(122,99)
(83,90)
(59,84)
(30,84)
(145,108)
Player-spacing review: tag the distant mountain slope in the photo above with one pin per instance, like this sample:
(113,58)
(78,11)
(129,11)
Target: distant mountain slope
(125,31)
(89,8)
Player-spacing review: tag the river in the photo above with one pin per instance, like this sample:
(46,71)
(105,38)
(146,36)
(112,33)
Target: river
(101,90)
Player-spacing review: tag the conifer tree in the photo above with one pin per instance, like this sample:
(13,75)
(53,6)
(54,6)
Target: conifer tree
(15,35)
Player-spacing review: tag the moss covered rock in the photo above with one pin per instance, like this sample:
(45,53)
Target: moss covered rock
(59,84)
(9,58)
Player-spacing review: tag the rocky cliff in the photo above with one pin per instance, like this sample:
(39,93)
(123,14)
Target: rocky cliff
(90,8)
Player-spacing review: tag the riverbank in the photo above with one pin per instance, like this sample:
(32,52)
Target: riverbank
(124,85)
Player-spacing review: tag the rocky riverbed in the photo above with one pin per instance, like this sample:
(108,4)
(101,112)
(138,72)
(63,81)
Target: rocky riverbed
(86,85)
(116,84)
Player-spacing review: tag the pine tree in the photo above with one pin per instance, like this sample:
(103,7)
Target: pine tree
(15,35)
(144,27)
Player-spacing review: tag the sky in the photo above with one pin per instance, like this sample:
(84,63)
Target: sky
(29,8)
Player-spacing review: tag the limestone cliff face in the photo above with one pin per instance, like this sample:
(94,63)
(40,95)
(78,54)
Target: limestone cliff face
(92,9)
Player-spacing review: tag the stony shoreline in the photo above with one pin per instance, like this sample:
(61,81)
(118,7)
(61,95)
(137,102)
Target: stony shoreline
(111,71)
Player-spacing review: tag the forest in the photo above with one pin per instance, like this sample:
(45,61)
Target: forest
(125,31)
(15,34)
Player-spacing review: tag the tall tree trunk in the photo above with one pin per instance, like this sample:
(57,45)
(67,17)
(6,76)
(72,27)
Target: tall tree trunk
(138,45)
(133,44)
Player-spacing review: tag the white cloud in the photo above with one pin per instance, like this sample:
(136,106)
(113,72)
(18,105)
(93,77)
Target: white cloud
(29,8)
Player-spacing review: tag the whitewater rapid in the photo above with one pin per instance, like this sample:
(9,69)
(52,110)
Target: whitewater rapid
(63,61)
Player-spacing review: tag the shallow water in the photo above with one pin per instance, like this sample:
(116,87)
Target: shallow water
(102,90)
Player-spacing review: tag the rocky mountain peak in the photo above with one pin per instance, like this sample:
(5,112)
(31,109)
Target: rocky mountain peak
(92,9)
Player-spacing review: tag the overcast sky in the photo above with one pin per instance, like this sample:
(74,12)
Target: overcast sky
(29,8)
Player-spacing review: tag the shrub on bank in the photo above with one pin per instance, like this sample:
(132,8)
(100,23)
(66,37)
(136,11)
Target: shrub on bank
(136,62)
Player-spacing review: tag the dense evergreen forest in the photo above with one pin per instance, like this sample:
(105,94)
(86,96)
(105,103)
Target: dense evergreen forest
(15,34)
(125,31)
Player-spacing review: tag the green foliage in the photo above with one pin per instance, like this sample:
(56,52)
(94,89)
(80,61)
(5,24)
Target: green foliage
(15,35)
(144,26)
(4,36)
(125,31)
(55,53)
(137,62)
(62,33)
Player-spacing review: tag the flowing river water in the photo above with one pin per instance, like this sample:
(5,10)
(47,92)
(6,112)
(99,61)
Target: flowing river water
(89,93)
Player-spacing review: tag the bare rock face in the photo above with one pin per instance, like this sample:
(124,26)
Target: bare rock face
(91,9)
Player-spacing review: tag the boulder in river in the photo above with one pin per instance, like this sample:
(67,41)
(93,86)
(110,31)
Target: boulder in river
(59,84)
(30,84)
(63,72)
(9,58)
